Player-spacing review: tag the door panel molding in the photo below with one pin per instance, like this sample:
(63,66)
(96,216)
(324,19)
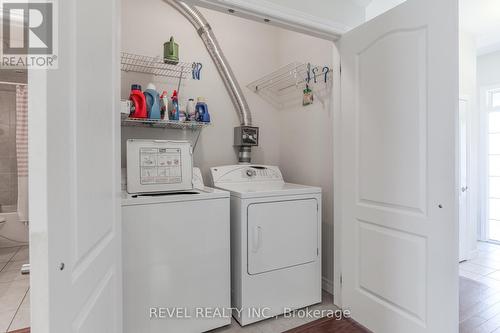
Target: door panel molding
(406,295)
(395,47)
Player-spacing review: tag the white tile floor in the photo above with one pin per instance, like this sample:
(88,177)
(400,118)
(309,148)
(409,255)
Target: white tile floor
(484,267)
(279,324)
(14,289)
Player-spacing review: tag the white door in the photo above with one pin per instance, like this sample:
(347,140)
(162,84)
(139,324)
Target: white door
(398,169)
(463,211)
(74,176)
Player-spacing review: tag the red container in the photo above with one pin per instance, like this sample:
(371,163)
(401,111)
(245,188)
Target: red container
(138,108)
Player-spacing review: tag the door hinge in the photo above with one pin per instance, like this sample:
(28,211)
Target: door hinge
(317,251)
(340,69)
(341,279)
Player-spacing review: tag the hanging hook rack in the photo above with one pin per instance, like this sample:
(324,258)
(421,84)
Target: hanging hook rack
(284,87)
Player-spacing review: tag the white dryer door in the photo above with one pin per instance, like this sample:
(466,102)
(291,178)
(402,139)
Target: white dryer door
(281,234)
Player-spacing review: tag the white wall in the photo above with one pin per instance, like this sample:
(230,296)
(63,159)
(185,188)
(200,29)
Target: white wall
(250,55)
(488,69)
(377,7)
(306,141)
(299,140)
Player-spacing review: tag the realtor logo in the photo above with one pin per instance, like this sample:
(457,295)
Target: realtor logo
(28,34)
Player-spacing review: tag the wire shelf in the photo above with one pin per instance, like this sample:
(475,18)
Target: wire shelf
(284,87)
(154,66)
(162,123)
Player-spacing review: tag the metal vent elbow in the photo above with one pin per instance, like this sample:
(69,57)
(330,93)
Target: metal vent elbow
(204,30)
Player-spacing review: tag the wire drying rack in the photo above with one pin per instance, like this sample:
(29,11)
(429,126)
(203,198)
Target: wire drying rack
(284,87)
(154,66)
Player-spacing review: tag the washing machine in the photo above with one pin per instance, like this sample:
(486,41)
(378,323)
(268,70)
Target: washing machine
(275,241)
(175,243)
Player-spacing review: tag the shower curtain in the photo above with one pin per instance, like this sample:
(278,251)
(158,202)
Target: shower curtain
(22,151)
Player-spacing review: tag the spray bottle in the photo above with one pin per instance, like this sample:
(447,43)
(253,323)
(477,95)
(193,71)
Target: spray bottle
(174,113)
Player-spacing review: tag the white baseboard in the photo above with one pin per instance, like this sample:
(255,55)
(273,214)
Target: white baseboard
(327,285)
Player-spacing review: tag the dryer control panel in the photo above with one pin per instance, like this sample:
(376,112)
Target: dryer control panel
(245,173)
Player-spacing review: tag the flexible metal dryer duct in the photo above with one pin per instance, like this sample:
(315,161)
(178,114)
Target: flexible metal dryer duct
(205,31)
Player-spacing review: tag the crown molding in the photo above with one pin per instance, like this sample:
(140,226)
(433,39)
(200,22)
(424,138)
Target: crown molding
(278,15)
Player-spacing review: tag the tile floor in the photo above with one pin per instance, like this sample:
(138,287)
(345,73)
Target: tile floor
(479,295)
(14,289)
(485,266)
(279,324)
(480,291)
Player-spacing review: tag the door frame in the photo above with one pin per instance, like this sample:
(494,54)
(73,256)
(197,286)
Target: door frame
(38,205)
(38,153)
(469,232)
(337,184)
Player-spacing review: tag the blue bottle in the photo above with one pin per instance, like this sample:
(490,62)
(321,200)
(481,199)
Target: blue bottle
(202,111)
(153,102)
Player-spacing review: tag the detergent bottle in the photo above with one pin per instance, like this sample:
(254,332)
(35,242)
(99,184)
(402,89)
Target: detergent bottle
(138,105)
(174,113)
(152,102)
(202,111)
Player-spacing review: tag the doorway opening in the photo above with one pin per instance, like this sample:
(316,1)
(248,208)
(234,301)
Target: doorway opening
(14,259)
(479,166)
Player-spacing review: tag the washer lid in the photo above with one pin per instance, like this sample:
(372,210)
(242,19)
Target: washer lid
(267,189)
(206,193)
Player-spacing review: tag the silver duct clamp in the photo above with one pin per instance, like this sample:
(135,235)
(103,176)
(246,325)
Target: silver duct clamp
(246,136)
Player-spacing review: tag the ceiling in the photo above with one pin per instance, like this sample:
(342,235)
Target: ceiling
(327,19)
(482,19)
